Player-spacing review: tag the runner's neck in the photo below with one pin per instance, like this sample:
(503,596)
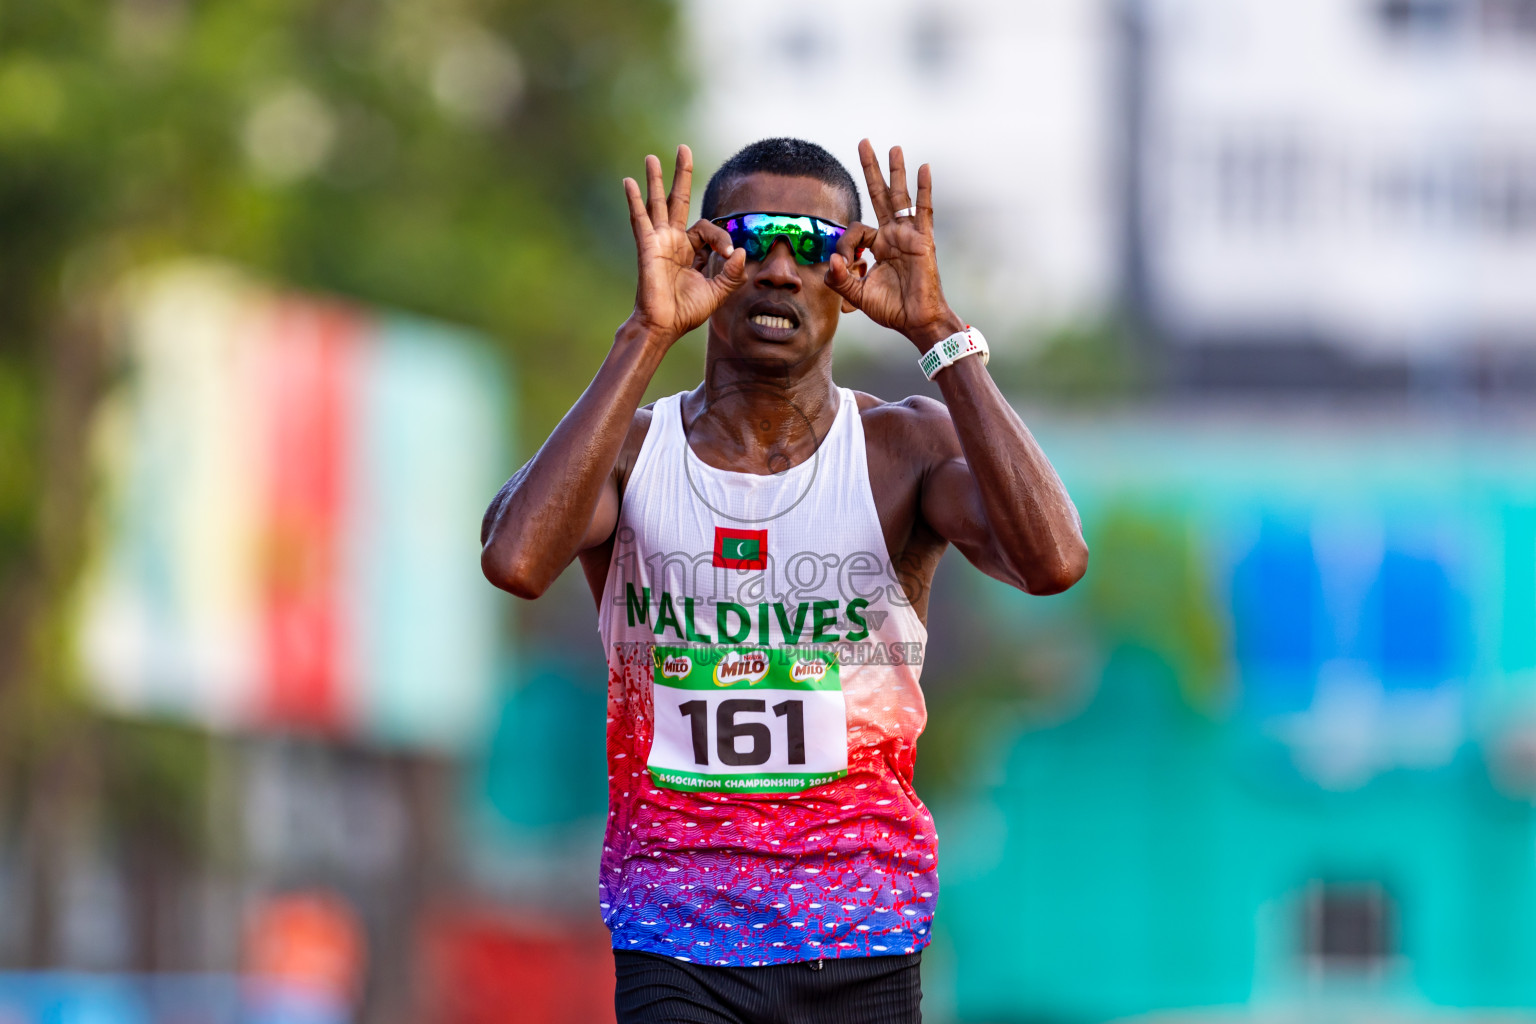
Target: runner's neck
(759,417)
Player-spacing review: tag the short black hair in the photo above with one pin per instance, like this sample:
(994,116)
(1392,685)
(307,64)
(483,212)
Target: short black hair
(792,158)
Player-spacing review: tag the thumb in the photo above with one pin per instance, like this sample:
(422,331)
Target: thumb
(849,286)
(731,275)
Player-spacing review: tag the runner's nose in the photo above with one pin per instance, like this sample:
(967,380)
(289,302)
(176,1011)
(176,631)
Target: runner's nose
(778,267)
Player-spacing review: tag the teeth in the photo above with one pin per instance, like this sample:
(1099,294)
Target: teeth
(773,321)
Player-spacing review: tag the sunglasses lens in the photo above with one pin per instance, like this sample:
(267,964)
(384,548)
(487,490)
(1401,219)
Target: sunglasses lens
(830,234)
(810,239)
(743,237)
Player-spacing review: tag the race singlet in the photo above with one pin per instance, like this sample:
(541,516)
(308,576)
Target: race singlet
(764,704)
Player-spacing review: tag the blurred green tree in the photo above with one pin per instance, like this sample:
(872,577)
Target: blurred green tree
(455,158)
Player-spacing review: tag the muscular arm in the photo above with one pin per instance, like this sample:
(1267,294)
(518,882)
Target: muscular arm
(990,491)
(566,499)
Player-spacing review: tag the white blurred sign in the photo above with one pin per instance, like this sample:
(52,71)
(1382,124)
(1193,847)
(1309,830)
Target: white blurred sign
(1007,100)
(1362,172)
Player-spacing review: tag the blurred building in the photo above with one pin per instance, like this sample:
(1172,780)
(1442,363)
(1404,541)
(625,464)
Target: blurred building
(1010,103)
(1315,193)
(1328,191)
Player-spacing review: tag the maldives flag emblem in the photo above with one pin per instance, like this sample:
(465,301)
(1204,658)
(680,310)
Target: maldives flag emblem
(741,549)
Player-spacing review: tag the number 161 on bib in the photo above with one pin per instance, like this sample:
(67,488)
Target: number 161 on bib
(747,720)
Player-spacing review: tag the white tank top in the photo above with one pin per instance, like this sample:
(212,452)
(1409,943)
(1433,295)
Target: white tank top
(763,709)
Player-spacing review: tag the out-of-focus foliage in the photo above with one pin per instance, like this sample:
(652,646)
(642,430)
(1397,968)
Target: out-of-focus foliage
(1082,362)
(1154,594)
(458,159)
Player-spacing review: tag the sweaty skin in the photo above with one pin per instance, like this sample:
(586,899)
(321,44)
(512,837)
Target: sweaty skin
(965,472)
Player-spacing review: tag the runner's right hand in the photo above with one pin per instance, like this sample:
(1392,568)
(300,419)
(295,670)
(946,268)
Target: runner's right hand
(674,296)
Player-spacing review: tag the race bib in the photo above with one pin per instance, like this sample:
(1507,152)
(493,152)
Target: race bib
(747,719)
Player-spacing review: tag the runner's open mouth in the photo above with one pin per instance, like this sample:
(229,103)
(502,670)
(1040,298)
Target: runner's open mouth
(777,318)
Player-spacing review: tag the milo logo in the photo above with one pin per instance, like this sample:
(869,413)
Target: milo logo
(741,666)
(676,666)
(808,671)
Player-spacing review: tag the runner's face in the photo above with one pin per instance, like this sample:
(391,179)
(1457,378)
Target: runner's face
(777,286)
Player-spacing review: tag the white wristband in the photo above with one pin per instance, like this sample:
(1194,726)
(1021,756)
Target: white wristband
(957,346)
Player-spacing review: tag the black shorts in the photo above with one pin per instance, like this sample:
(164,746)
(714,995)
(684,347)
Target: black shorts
(654,989)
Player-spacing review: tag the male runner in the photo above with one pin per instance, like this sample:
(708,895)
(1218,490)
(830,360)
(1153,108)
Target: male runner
(760,549)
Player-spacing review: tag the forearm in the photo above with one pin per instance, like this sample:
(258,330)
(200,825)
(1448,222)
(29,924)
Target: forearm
(1033,523)
(539,518)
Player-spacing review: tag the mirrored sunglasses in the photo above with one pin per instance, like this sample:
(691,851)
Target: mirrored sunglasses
(811,239)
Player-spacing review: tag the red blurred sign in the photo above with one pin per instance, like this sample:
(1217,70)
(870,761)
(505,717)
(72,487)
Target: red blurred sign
(310,941)
(482,968)
(310,370)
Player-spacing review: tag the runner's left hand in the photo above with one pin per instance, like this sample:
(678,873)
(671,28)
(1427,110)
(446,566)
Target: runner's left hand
(901,291)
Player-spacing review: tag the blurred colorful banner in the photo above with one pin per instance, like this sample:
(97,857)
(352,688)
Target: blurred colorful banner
(290,540)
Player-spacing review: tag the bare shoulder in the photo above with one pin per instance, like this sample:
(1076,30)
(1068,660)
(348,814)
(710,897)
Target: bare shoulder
(640,425)
(634,440)
(913,425)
